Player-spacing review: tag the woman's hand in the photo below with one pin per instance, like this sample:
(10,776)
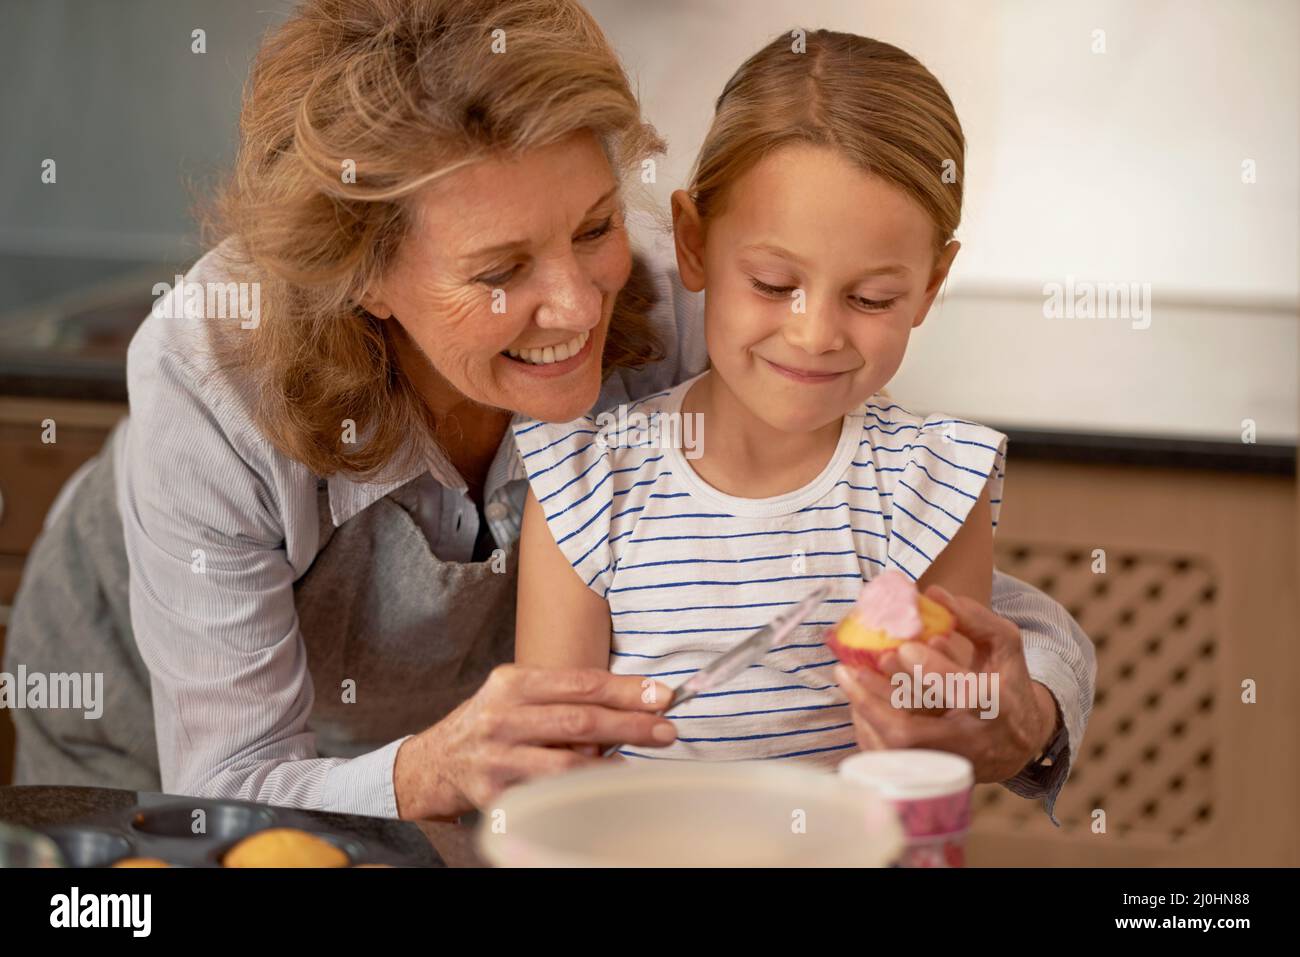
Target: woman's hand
(983,642)
(524,722)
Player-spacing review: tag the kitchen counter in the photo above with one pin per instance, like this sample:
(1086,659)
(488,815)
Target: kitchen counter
(40,806)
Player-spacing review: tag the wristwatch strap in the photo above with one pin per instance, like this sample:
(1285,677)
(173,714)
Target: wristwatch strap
(1055,748)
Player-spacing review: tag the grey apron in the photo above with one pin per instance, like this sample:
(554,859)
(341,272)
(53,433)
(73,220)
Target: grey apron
(416,635)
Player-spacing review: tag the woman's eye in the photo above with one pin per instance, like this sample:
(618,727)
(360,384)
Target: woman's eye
(498,279)
(596,233)
(774,291)
(501,278)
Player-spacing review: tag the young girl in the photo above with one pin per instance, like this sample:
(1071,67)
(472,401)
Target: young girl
(819,220)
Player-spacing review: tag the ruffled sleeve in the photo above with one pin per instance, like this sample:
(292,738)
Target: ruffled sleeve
(949,462)
(570,472)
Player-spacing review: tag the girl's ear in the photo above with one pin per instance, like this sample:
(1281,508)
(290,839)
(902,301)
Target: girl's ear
(937,276)
(688,237)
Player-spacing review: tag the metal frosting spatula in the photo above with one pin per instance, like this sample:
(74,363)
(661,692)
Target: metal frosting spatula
(729,664)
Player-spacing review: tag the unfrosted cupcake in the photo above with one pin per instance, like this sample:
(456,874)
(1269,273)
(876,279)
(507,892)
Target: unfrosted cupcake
(284,847)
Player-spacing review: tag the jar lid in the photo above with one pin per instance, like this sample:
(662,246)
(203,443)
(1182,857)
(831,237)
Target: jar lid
(909,774)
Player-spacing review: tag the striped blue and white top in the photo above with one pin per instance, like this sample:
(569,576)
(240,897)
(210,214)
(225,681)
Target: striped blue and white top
(689,571)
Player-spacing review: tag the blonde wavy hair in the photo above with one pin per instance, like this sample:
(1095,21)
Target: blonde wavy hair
(409,90)
(870,101)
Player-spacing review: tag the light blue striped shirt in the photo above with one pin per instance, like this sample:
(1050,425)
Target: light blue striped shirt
(688,571)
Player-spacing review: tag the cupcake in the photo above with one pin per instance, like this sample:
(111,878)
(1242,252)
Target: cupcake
(141,862)
(889,611)
(284,847)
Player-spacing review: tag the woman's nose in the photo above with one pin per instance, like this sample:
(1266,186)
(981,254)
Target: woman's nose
(570,300)
(816,330)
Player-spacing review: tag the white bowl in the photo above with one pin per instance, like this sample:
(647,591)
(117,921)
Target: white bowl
(690,814)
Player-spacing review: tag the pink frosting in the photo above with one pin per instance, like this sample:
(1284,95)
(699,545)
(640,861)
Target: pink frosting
(888,602)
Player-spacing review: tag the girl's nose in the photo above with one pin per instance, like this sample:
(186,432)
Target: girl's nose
(816,330)
(570,300)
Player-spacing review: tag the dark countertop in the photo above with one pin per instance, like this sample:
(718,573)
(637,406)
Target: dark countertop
(1149,451)
(41,807)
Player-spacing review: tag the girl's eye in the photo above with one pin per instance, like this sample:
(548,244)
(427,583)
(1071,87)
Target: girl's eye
(874,305)
(592,235)
(774,291)
(780,292)
(498,279)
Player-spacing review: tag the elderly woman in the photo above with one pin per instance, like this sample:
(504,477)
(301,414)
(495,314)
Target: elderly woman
(294,562)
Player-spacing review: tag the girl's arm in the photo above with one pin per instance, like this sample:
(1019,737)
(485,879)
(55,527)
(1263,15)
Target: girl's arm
(965,566)
(560,623)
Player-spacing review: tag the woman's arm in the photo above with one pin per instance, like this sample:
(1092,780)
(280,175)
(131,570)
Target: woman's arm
(1061,659)
(965,566)
(232,693)
(560,622)
(203,508)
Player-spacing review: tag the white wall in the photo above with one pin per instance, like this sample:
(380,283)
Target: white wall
(1120,166)
(1115,166)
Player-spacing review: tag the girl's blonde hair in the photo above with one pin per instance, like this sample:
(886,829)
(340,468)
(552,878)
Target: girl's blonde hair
(402,91)
(872,102)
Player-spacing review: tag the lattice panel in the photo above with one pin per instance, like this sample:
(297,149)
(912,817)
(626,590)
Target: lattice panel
(1148,753)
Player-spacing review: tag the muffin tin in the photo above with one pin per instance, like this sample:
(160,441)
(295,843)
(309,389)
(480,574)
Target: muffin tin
(161,826)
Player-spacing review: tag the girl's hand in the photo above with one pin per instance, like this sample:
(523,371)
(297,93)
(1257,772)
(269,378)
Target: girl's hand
(1023,712)
(522,723)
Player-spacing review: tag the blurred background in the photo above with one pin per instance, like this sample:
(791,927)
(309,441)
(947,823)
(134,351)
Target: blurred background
(1154,143)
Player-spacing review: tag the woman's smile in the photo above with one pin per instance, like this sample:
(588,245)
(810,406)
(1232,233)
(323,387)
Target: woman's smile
(551,361)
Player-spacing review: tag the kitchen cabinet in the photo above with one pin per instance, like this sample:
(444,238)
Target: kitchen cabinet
(31,474)
(1197,601)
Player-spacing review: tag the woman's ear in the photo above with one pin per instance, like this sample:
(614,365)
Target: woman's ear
(374,304)
(688,237)
(937,275)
